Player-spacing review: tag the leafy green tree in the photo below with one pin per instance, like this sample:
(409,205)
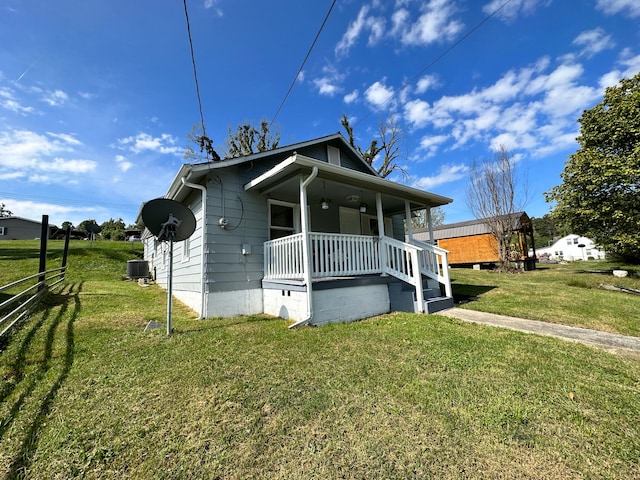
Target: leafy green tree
(113,229)
(546,229)
(88,226)
(67,224)
(600,193)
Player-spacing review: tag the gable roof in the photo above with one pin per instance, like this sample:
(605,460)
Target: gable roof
(21,219)
(195,171)
(469,228)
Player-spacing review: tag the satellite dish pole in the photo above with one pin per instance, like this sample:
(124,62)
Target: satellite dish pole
(169,221)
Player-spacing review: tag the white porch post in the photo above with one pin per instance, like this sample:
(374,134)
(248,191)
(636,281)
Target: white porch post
(430,225)
(407,214)
(382,245)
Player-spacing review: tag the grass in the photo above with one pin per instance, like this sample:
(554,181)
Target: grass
(84,393)
(568,294)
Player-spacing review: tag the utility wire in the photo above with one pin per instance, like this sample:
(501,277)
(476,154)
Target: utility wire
(443,54)
(303,62)
(195,73)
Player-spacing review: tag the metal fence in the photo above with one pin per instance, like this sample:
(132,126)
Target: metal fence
(19,305)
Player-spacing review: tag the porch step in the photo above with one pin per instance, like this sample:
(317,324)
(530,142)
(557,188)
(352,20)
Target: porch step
(437,304)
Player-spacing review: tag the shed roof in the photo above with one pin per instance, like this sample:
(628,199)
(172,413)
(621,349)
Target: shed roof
(468,228)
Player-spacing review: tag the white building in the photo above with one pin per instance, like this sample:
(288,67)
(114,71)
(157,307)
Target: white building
(572,247)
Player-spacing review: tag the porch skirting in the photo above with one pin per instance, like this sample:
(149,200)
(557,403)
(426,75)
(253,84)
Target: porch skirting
(330,305)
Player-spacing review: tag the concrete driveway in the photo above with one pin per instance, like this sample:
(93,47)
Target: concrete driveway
(610,341)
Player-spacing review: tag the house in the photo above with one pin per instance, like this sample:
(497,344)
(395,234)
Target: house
(308,232)
(572,247)
(18,228)
(471,242)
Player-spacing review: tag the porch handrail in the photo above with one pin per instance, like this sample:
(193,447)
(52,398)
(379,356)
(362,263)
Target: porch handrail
(432,266)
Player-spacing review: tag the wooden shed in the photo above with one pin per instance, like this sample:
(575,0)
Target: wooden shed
(471,242)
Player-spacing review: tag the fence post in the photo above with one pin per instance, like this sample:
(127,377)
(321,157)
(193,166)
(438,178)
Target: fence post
(66,250)
(44,235)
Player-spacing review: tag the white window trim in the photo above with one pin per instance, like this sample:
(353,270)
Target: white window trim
(296,216)
(3,231)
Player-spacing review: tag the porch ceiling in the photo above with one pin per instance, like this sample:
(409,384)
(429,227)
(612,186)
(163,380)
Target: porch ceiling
(340,185)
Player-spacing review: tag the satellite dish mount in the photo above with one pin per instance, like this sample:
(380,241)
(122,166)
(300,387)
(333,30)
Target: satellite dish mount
(169,221)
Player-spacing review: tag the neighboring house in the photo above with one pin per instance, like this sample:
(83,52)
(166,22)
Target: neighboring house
(471,242)
(18,228)
(572,247)
(308,232)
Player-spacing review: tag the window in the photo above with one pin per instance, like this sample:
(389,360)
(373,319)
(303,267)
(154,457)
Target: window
(575,241)
(568,241)
(284,219)
(186,249)
(3,230)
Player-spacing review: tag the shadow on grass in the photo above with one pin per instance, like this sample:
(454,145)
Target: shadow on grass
(28,382)
(468,293)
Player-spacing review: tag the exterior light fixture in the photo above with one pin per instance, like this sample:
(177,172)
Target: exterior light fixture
(363,208)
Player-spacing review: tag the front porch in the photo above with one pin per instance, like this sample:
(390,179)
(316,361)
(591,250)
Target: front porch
(353,277)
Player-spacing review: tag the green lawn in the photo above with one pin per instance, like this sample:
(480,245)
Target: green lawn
(84,393)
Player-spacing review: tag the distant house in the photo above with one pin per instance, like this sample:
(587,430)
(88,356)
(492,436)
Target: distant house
(471,242)
(18,228)
(308,232)
(570,248)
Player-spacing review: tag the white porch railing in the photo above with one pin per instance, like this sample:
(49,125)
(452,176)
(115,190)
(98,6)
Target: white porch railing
(283,258)
(339,255)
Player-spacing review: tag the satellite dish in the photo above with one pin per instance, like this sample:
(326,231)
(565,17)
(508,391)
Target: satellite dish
(93,228)
(168,219)
(172,221)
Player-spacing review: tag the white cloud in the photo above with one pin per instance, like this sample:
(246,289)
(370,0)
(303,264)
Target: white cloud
(351,97)
(142,142)
(57,213)
(435,24)
(330,83)
(446,174)
(427,82)
(593,42)
(213,4)
(431,143)
(353,32)
(511,10)
(612,7)
(123,163)
(55,98)
(9,102)
(417,112)
(378,94)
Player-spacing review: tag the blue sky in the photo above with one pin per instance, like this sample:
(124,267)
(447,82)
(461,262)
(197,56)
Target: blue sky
(97,98)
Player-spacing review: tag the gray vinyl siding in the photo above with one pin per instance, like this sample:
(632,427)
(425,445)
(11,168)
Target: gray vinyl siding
(227,268)
(20,229)
(186,271)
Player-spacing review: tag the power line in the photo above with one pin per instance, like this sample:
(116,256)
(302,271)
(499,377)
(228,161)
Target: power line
(195,73)
(443,54)
(303,63)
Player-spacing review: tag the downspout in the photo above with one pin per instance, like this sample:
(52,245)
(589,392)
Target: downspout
(203,256)
(306,258)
